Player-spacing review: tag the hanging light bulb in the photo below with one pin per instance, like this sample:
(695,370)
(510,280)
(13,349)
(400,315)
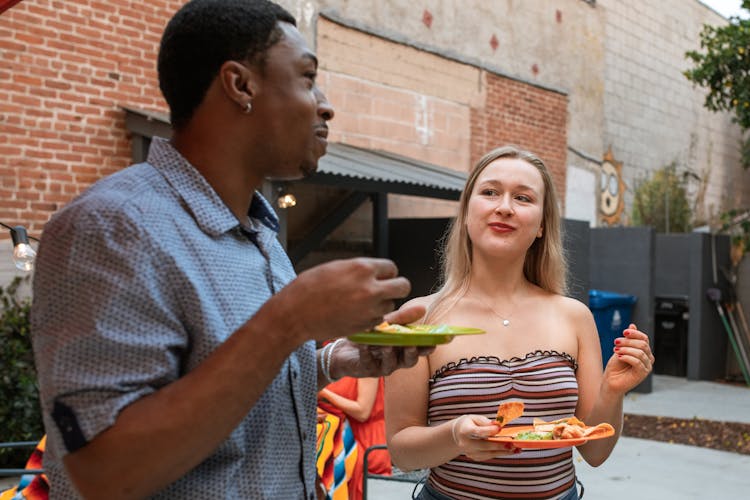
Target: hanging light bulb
(285,198)
(23,254)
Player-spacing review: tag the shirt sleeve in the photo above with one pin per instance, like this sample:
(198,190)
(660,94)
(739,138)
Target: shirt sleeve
(105,326)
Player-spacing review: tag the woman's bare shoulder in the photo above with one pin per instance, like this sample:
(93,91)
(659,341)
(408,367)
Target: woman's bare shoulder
(573,307)
(570,307)
(424,301)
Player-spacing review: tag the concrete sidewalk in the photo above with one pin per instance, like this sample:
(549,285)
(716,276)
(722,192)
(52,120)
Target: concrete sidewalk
(652,470)
(682,398)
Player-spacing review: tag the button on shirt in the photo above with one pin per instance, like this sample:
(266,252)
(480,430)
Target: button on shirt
(139,280)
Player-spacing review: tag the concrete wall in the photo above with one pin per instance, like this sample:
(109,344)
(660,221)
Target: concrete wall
(636,261)
(652,114)
(622,261)
(577,244)
(707,339)
(672,265)
(743,288)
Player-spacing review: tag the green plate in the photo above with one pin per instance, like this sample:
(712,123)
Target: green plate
(432,335)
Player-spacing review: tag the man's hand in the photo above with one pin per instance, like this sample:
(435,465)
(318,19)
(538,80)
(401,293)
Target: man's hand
(339,298)
(357,360)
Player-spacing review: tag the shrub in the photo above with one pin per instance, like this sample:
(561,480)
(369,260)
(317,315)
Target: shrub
(20,414)
(661,202)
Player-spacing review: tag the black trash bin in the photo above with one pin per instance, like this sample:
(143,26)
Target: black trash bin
(671,317)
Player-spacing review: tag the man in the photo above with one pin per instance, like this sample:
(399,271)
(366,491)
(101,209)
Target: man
(175,347)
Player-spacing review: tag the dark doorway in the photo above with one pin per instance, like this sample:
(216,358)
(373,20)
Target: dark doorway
(414,245)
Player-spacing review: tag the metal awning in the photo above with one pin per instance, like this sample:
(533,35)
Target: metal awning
(366,174)
(345,166)
(382,172)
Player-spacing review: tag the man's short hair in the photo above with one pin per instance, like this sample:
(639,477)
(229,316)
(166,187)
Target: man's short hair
(202,36)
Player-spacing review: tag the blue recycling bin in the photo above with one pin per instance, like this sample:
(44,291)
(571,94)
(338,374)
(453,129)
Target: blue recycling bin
(612,314)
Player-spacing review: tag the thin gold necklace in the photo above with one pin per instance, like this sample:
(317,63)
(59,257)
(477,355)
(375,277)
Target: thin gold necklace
(504,319)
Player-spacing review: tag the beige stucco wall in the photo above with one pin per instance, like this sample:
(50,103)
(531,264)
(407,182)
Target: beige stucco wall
(396,98)
(532,44)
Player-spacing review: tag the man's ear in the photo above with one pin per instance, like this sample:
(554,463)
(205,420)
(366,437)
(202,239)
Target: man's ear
(238,82)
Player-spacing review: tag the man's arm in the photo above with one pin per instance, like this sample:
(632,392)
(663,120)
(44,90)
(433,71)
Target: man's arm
(189,417)
(160,437)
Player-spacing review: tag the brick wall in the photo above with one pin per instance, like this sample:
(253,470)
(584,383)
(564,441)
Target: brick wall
(66,67)
(530,117)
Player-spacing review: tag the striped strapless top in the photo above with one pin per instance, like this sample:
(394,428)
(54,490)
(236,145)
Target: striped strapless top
(545,381)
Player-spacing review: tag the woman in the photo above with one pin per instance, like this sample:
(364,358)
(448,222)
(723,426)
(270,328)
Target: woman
(504,272)
(360,400)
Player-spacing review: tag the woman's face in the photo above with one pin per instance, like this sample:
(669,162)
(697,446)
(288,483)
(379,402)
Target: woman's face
(505,209)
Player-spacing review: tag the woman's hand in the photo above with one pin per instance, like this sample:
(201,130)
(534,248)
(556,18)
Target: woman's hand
(632,362)
(325,394)
(469,434)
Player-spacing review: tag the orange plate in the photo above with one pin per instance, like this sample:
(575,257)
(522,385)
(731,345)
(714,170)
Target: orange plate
(506,436)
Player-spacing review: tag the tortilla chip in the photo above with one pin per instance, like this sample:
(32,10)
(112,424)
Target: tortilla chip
(603,428)
(510,410)
(543,426)
(574,421)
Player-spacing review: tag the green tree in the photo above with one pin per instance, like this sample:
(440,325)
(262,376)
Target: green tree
(736,223)
(722,66)
(661,202)
(20,415)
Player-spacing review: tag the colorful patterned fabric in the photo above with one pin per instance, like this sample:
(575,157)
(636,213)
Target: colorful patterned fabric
(368,433)
(337,456)
(31,486)
(546,383)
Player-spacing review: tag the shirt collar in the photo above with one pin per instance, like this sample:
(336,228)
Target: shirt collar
(209,211)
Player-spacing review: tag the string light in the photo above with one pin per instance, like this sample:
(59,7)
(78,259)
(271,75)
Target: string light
(285,198)
(23,254)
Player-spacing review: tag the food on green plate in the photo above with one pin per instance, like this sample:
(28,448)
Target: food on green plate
(392,328)
(396,328)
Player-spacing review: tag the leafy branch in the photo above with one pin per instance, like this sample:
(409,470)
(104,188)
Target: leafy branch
(722,66)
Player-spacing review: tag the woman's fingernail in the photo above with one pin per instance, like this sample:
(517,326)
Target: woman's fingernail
(617,341)
(617,349)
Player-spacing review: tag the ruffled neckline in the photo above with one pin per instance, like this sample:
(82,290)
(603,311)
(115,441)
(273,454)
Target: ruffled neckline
(452,365)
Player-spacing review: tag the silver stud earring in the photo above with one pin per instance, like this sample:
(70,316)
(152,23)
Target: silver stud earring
(248,108)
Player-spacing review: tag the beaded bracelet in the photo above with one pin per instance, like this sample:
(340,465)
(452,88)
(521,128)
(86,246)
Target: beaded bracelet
(322,359)
(325,360)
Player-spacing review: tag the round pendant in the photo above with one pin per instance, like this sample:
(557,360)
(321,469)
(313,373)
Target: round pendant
(506,322)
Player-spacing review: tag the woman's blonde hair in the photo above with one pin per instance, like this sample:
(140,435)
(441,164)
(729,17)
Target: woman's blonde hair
(545,261)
